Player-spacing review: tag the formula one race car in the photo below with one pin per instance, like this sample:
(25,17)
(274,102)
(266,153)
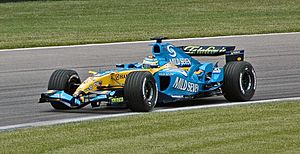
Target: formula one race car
(169,75)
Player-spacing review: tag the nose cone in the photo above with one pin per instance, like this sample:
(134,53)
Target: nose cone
(90,84)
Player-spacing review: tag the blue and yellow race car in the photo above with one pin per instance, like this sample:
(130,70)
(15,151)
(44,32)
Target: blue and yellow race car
(169,75)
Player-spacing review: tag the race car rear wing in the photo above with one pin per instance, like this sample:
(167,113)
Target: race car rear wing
(228,51)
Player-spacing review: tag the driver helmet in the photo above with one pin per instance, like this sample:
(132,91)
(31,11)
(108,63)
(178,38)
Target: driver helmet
(150,62)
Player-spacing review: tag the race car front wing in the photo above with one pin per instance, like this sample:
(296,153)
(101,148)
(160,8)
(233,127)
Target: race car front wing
(61,96)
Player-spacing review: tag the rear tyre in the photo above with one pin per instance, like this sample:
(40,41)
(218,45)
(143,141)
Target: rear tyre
(66,80)
(140,91)
(239,81)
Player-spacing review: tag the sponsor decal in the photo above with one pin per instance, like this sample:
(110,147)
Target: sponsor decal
(165,74)
(117,100)
(181,61)
(204,50)
(112,93)
(235,52)
(216,70)
(185,85)
(120,76)
(171,50)
(177,96)
(101,97)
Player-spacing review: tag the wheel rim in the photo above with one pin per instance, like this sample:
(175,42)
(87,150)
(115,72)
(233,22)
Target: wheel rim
(246,81)
(71,84)
(148,92)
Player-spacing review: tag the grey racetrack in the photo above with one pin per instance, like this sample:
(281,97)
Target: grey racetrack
(24,73)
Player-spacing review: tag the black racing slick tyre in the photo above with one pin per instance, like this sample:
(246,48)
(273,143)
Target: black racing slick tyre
(67,80)
(140,91)
(239,81)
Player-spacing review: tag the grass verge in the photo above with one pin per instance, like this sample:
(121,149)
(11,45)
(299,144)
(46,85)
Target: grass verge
(63,22)
(260,128)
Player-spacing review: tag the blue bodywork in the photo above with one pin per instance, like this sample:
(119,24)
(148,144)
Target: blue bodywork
(189,78)
(184,84)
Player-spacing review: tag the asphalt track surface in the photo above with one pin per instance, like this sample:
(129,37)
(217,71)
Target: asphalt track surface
(24,74)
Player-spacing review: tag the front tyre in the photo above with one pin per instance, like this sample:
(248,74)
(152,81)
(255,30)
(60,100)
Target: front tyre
(140,91)
(239,81)
(67,80)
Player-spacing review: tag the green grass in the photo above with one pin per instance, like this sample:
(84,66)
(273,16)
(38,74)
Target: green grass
(63,22)
(261,128)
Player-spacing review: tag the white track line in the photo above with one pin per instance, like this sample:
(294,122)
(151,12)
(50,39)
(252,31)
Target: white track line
(120,43)
(62,121)
(228,104)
